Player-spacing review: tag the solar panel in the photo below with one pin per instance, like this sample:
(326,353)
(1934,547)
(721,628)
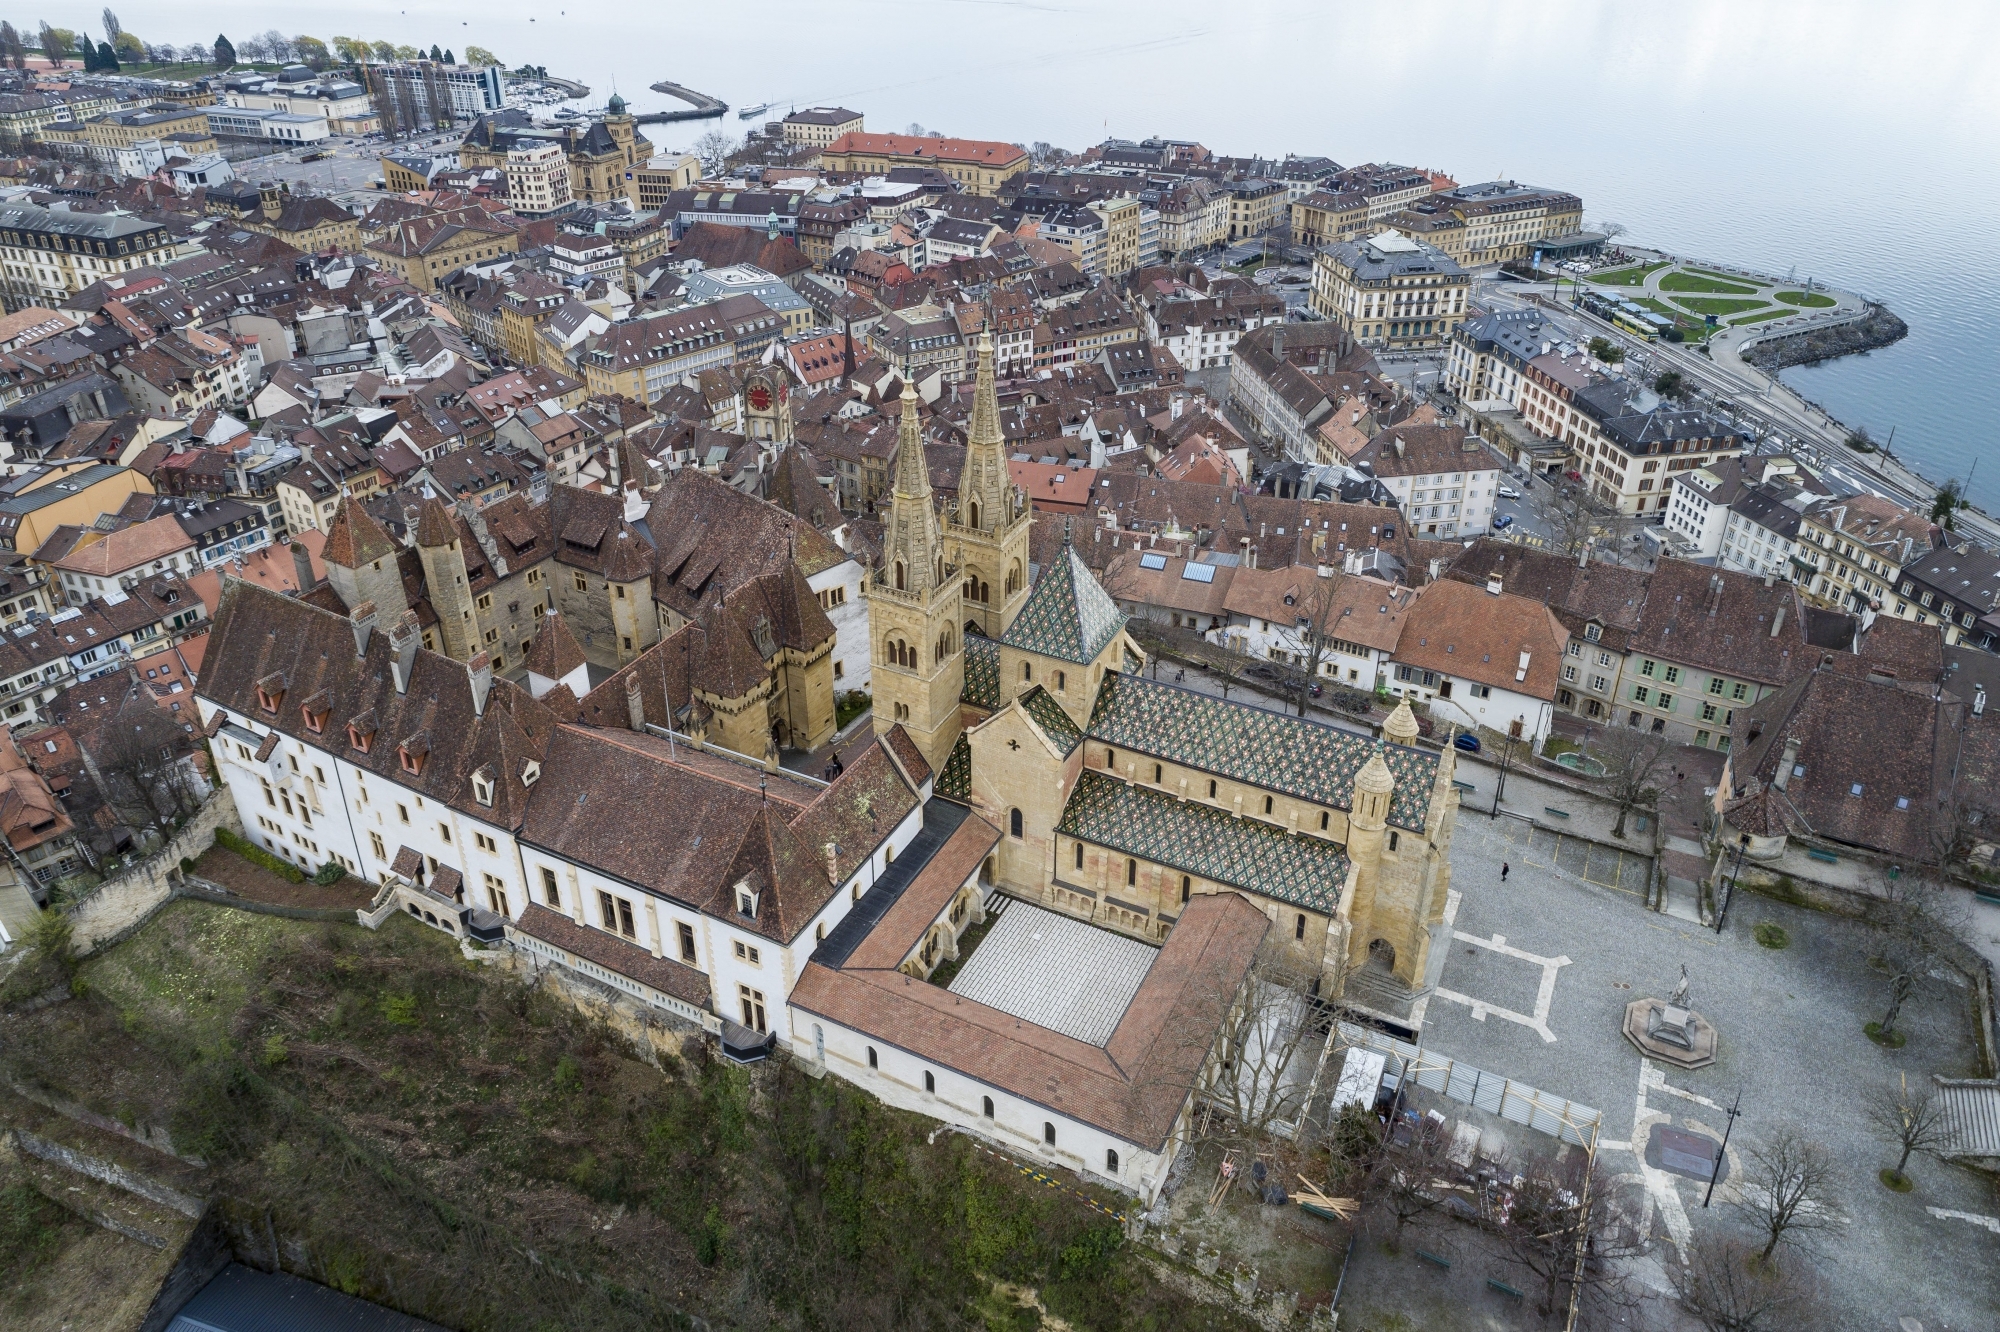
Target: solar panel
(1152,561)
(1199,573)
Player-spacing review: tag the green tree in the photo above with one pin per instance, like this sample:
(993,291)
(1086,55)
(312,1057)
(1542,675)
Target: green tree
(130,49)
(57,43)
(107,60)
(436,54)
(1950,496)
(311,51)
(448,59)
(1860,440)
(1607,351)
(479,55)
(1669,384)
(384,51)
(225,52)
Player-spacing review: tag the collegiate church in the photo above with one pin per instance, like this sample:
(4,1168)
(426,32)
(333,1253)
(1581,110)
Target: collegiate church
(1122,800)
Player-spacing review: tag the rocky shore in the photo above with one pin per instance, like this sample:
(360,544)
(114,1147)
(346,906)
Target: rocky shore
(1878,328)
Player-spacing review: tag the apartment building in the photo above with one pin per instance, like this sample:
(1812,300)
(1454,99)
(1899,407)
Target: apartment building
(980,166)
(819,126)
(48,255)
(1443,479)
(1641,442)
(538,182)
(1390,291)
(1255,207)
(1496,222)
(643,358)
(1858,546)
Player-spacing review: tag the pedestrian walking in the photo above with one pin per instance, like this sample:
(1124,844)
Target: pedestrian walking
(1504,867)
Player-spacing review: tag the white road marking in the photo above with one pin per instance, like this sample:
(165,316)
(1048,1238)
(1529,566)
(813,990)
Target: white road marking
(1545,993)
(1658,1078)
(1992,1223)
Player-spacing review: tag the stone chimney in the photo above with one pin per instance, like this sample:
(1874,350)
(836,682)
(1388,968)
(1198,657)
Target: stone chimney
(480,668)
(302,567)
(1786,763)
(363,619)
(635,707)
(1493,584)
(1278,341)
(404,640)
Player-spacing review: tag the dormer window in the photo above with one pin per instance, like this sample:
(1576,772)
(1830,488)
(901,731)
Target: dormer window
(271,692)
(746,901)
(482,787)
(531,772)
(412,760)
(315,721)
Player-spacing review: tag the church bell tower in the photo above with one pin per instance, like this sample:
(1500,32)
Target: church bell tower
(989,533)
(914,600)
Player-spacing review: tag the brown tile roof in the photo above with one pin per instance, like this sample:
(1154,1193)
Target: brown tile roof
(1355,609)
(1723,621)
(1134,1087)
(1472,634)
(117,552)
(927,896)
(614,954)
(354,539)
(554,653)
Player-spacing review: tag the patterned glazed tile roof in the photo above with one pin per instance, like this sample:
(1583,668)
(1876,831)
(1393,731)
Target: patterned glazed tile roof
(1291,755)
(1068,615)
(955,781)
(982,672)
(1055,723)
(1200,839)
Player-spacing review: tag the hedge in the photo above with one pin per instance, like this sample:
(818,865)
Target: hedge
(257,855)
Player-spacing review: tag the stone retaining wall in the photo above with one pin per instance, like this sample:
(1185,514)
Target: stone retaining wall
(120,905)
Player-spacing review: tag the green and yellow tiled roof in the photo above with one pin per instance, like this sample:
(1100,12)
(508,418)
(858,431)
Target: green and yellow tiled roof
(954,781)
(1290,755)
(982,672)
(1068,616)
(1202,840)
(1055,723)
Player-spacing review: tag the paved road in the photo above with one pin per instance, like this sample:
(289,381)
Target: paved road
(1739,389)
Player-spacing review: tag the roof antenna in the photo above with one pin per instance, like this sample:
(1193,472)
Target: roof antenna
(762,793)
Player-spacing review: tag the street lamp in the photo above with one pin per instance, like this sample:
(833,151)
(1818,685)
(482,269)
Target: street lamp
(1735,872)
(1733,1111)
(1500,785)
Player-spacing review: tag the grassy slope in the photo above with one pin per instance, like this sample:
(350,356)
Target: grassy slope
(1687,281)
(418,1130)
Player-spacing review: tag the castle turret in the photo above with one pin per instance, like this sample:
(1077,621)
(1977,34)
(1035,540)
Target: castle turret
(445,580)
(1401,728)
(361,562)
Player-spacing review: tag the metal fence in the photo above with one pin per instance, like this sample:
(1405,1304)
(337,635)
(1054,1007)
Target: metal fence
(1565,1120)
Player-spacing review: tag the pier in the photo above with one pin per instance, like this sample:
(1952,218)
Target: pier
(702,106)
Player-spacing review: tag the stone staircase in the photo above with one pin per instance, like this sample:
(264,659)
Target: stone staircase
(1378,989)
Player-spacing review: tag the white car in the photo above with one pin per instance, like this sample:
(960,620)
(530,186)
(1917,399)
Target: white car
(1508,492)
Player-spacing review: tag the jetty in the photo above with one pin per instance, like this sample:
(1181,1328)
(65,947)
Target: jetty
(701,105)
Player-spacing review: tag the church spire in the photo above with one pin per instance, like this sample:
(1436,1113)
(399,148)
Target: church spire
(912,554)
(985,500)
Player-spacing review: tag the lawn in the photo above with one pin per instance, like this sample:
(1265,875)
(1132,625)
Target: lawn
(1686,281)
(1761,316)
(1626,277)
(1738,278)
(424,1131)
(1813,300)
(1717,305)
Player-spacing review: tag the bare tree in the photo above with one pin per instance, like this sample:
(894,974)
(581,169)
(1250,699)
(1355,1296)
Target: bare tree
(1571,518)
(1405,1181)
(138,761)
(1632,761)
(714,148)
(1787,1190)
(1913,1121)
(1726,1288)
(1612,230)
(1917,918)
(1559,1218)
(1268,1045)
(1317,605)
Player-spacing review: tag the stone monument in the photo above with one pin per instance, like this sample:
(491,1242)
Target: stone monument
(1669,1030)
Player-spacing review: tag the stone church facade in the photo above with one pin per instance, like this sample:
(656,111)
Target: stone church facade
(1121,800)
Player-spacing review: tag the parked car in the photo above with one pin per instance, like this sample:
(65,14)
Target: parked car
(1503,522)
(1508,492)
(1466,741)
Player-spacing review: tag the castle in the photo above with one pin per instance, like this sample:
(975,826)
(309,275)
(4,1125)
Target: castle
(1120,799)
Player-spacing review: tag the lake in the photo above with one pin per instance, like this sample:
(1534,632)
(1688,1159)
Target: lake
(1854,143)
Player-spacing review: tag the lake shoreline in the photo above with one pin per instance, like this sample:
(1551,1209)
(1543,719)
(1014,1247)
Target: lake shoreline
(1881,328)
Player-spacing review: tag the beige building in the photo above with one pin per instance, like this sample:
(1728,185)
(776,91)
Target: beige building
(48,255)
(538,180)
(1323,217)
(1121,233)
(821,125)
(982,166)
(1858,547)
(76,494)
(1497,222)
(1194,215)
(1390,291)
(1255,207)
(660,176)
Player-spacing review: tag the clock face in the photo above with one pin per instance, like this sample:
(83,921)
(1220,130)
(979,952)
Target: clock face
(760,399)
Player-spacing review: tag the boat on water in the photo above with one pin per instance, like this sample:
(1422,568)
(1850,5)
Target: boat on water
(756,110)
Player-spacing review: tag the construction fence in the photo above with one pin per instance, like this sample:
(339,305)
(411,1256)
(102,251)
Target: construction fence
(1564,1120)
